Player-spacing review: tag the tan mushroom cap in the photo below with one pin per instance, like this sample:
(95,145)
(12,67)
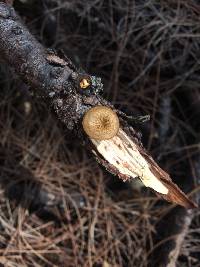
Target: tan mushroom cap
(101,123)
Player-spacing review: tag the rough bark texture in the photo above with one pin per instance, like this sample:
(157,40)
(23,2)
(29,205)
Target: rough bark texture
(47,74)
(61,83)
(28,57)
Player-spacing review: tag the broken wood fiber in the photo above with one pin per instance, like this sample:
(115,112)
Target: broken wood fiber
(72,93)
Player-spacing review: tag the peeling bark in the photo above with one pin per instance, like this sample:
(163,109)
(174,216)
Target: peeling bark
(55,78)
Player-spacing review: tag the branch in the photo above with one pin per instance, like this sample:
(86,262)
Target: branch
(28,57)
(72,93)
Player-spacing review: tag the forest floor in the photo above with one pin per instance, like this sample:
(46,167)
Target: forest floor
(58,207)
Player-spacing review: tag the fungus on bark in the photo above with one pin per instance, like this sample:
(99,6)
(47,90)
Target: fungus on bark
(116,147)
(101,123)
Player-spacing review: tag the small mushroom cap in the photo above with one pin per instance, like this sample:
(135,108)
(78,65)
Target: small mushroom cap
(84,83)
(101,123)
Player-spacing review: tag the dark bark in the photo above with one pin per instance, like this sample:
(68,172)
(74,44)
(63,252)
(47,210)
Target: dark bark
(56,78)
(46,73)
(28,57)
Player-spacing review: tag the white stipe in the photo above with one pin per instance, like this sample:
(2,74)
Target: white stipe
(122,152)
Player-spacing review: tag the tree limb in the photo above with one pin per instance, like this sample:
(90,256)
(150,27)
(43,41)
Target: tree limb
(72,93)
(27,56)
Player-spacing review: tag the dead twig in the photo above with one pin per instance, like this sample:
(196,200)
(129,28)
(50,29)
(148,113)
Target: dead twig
(72,93)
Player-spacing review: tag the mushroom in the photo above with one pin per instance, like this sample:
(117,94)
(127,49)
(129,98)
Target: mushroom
(101,123)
